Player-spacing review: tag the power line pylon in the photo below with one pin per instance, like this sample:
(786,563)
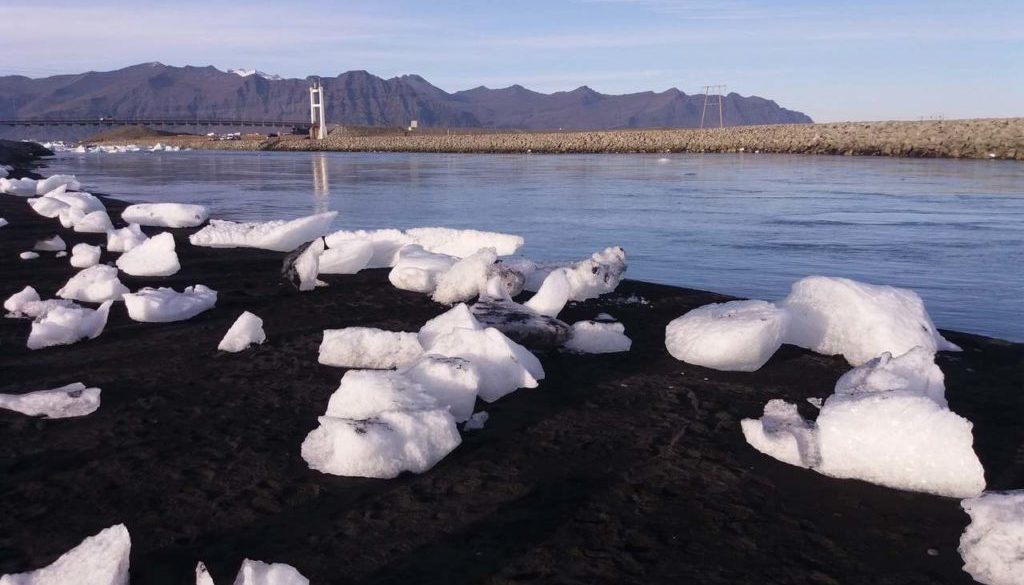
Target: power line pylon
(710,93)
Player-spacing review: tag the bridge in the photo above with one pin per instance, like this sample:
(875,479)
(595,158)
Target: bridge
(294,125)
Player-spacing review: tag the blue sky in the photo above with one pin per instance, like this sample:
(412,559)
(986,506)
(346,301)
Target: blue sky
(852,60)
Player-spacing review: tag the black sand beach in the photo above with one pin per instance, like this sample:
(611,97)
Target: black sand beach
(622,468)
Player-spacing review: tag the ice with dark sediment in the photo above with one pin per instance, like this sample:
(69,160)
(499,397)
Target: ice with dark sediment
(302,265)
(54,243)
(64,402)
(521,324)
(164,305)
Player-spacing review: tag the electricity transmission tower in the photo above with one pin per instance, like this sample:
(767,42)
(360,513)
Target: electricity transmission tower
(710,93)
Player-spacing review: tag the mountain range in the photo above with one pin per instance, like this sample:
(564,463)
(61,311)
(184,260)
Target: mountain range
(154,90)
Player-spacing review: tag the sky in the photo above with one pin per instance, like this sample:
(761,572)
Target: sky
(835,61)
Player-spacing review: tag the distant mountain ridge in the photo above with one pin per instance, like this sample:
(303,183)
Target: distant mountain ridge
(154,90)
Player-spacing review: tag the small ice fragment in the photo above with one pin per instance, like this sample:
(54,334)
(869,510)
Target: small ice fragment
(153,257)
(168,215)
(163,305)
(64,402)
(783,434)
(476,421)
(245,331)
(94,285)
(28,255)
(101,559)
(51,244)
(260,573)
(598,337)
(366,347)
(84,255)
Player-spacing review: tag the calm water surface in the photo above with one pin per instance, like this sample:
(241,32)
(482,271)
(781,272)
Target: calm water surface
(747,225)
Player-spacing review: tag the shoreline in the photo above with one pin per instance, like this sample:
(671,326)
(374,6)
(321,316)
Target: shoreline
(1001,138)
(626,468)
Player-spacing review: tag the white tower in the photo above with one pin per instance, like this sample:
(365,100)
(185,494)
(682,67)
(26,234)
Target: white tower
(316,111)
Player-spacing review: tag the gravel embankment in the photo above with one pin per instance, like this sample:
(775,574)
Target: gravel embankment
(1001,138)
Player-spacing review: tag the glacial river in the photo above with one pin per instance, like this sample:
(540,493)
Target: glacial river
(747,225)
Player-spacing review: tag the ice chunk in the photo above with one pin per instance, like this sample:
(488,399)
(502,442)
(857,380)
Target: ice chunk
(466,279)
(477,421)
(84,203)
(452,381)
(64,402)
(521,324)
(599,274)
(735,336)
(303,264)
(47,206)
(418,270)
(503,365)
(94,285)
(366,347)
(28,255)
(26,303)
(552,294)
(153,257)
(383,446)
(67,325)
(101,559)
(349,257)
(463,243)
(246,330)
(95,222)
(84,255)
(18,187)
(3,222)
(839,316)
(458,317)
(364,394)
(50,183)
(203,575)
(992,546)
(598,337)
(51,244)
(783,434)
(260,573)
(914,372)
(385,244)
(899,440)
(163,305)
(125,239)
(280,236)
(169,215)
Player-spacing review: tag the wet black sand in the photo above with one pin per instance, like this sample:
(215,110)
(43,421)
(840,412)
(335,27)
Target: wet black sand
(627,468)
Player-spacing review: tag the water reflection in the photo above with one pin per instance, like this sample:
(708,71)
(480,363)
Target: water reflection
(321,183)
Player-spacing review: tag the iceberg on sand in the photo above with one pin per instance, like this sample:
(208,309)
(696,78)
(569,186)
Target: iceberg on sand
(245,331)
(64,402)
(94,285)
(153,257)
(279,235)
(168,215)
(64,325)
(101,559)
(992,546)
(163,305)
(366,347)
(734,336)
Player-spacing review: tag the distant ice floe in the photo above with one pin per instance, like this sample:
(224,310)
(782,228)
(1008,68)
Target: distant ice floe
(164,305)
(736,336)
(598,337)
(247,330)
(280,236)
(101,559)
(85,255)
(168,215)
(126,238)
(886,423)
(366,347)
(64,325)
(95,284)
(992,546)
(379,424)
(65,402)
(155,256)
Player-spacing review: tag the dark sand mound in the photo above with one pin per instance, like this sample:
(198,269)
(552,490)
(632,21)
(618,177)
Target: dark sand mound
(131,133)
(626,468)
(19,153)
